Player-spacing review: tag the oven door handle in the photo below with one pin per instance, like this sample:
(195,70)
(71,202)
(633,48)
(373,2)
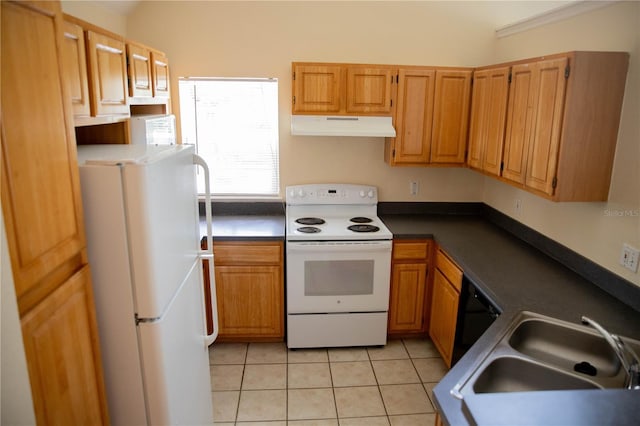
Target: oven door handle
(378,246)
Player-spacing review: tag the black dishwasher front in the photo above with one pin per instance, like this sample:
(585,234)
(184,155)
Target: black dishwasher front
(475,314)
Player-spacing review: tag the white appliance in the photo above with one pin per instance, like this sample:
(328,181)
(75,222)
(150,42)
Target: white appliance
(338,266)
(141,219)
(320,125)
(153,129)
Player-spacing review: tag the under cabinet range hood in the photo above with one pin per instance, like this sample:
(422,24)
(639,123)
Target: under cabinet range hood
(322,125)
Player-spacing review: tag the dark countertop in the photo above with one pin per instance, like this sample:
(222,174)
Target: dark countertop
(516,277)
(245,227)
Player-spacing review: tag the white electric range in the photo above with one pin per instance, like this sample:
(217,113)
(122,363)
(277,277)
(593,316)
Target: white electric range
(338,266)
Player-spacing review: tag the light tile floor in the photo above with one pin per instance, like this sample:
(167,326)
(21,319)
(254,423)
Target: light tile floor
(267,384)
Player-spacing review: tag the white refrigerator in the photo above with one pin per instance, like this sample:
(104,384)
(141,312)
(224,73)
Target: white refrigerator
(142,226)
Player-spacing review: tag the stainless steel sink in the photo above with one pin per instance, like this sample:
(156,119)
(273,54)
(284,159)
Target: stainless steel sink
(510,374)
(537,353)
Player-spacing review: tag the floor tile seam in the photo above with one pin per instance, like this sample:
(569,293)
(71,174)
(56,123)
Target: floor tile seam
(428,396)
(416,370)
(386,410)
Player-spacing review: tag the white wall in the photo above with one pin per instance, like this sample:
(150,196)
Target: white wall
(16,407)
(95,13)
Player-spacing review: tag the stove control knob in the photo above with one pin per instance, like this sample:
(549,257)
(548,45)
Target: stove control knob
(362,194)
(300,193)
(370,194)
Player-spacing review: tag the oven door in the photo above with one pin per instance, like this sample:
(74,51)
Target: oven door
(338,276)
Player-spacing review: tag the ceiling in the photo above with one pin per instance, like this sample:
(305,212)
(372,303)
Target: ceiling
(506,11)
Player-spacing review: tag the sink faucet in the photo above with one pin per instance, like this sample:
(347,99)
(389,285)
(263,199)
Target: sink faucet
(624,353)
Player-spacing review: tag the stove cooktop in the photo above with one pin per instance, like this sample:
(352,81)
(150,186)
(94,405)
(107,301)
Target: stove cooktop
(333,212)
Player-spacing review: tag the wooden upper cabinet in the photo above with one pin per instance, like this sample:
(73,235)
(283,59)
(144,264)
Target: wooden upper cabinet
(139,60)
(562,124)
(533,125)
(317,88)
(544,136)
(160,73)
(75,63)
(414,116)
(488,119)
(148,74)
(519,118)
(343,89)
(450,116)
(431,117)
(369,90)
(107,74)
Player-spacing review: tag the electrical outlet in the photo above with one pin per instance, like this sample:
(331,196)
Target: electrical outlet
(414,187)
(629,257)
(517,207)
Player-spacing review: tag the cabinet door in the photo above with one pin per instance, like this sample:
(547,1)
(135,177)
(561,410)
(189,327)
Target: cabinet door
(107,75)
(40,187)
(369,90)
(519,116)
(139,71)
(450,116)
(444,313)
(250,301)
(544,142)
(160,73)
(408,290)
(317,88)
(75,69)
(414,116)
(61,345)
(488,119)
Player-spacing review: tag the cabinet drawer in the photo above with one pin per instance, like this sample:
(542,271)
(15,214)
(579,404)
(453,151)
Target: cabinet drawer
(449,269)
(234,254)
(411,250)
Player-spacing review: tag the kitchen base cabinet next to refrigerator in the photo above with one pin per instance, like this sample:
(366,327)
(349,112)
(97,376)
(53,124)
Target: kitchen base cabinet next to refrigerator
(249,279)
(142,230)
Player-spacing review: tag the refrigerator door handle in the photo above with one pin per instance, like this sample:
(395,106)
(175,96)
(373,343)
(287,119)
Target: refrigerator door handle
(208,253)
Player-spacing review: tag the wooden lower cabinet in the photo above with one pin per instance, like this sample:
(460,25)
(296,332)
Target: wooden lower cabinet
(447,282)
(408,307)
(250,290)
(61,346)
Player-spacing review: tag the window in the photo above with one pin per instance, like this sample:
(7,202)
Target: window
(233,123)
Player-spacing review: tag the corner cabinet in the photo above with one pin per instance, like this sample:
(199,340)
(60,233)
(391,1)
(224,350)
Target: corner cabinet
(561,127)
(42,211)
(250,290)
(342,89)
(447,283)
(409,294)
(431,117)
